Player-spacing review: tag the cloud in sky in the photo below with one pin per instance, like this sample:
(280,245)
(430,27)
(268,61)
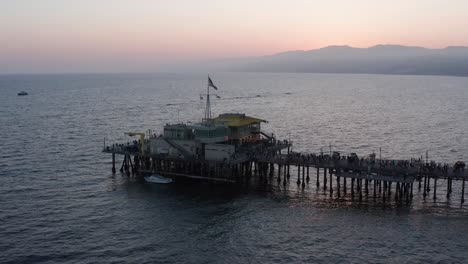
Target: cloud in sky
(108,35)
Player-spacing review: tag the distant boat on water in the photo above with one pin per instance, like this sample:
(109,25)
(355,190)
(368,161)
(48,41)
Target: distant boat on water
(22,93)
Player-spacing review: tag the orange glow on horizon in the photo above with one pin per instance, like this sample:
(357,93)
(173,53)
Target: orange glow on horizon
(183,30)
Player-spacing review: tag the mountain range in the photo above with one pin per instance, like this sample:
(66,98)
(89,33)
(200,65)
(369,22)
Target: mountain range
(379,59)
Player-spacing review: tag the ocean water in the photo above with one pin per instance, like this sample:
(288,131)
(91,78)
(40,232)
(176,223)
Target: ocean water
(60,203)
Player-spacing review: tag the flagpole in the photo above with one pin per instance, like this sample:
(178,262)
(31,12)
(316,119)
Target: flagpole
(209,103)
(208,106)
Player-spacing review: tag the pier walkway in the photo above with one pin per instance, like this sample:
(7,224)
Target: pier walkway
(266,160)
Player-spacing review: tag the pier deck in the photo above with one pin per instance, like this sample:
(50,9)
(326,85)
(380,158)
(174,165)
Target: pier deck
(266,161)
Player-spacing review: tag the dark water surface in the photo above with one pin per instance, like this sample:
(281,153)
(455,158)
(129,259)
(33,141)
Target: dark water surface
(60,203)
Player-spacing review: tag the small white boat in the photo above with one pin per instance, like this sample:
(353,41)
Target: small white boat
(157,179)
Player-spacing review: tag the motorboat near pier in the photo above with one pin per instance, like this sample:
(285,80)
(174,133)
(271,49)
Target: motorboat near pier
(155,178)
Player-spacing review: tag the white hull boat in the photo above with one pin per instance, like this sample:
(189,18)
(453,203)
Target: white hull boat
(157,179)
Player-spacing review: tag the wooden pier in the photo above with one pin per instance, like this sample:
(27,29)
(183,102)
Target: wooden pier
(339,176)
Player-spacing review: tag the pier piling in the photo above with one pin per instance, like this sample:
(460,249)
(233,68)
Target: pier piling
(463,191)
(338,185)
(424,187)
(303,176)
(344,185)
(113,162)
(279,173)
(367,187)
(360,189)
(375,189)
(325,179)
(298,174)
(318,177)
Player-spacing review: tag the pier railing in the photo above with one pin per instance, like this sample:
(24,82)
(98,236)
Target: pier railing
(395,168)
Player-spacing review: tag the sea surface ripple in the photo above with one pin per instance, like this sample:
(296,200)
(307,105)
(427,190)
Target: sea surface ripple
(60,203)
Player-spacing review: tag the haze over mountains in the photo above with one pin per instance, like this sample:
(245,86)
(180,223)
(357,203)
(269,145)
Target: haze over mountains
(379,59)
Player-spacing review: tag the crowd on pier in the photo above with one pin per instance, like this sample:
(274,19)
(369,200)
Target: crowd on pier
(353,161)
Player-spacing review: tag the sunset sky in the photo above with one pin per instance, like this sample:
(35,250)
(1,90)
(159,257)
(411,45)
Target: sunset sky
(119,35)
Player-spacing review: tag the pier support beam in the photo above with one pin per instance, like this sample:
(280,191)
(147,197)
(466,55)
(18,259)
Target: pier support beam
(344,185)
(338,185)
(449,186)
(113,162)
(286,171)
(298,174)
(126,166)
(325,179)
(389,189)
(129,161)
(279,173)
(375,189)
(123,164)
(367,187)
(428,184)
(384,192)
(398,191)
(360,189)
(407,193)
(435,188)
(425,187)
(318,178)
(358,185)
(463,191)
(451,182)
(284,174)
(411,194)
(303,176)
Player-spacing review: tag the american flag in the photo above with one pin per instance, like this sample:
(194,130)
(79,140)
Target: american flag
(211,84)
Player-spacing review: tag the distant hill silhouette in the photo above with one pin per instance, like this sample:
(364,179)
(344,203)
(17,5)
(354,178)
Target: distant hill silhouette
(380,59)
